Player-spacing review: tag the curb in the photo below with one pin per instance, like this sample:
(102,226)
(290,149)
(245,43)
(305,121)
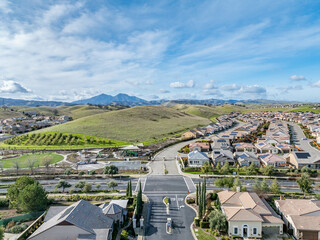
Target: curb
(191,226)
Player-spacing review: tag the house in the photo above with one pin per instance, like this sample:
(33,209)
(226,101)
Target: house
(81,220)
(65,119)
(220,143)
(190,135)
(284,148)
(246,158)
(116,210)
(318,137)
(273,160)
(199,146)
(197,159)
(301,216)
(222,156)
(248,215)
(301,159)
(244,147)
(263,147)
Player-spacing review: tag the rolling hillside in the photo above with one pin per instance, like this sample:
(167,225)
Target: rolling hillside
(4,114)
(75,112)
(138,124)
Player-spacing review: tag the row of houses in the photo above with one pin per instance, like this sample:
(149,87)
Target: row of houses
(26,124)
(250,216)
(224,123)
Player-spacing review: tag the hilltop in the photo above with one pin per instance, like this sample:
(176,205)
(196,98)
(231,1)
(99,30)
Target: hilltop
(137,124)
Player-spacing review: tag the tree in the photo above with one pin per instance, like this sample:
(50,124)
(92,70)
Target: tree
(112,184)
(218,221)
(264,186)
(16,165)
(27,194)
(204,191)
(46,162)
(236,184)
(225,168)
(80,184)
(305,183)
(257,186)
(111,170)
(33,198)
(206,168)
(15,189)
(252,169)
(197,194)
(139,202)
(130,189)
(63,184)
(98,186)
(67,172)
(305,169)
(87,187)
(224,182)
(267,171)
(31,164)
(218,167)
(200,210)
(275,187)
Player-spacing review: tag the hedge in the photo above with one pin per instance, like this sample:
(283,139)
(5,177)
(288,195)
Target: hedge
(21,218)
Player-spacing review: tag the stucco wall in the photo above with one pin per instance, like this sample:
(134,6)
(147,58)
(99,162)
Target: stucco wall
(250,225)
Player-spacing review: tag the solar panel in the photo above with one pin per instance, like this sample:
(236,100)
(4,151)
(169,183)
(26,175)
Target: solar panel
(303,155)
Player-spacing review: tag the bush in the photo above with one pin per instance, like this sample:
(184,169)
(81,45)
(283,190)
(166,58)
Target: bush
(197,222)
(190,200)
(81,173)
(18,228)
(214,196)
(4,203)
(204,224)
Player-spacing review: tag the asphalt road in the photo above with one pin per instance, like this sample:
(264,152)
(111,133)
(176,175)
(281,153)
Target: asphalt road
(298,138)
(176,188)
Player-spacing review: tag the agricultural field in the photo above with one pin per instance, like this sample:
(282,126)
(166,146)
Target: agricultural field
(53,140)
(38,159)
(137,124)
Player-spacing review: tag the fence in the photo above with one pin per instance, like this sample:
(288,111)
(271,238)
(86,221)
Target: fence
(21,218)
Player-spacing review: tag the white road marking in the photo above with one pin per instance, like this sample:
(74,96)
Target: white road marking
(137,188)
(177,202)
(186,184)
(144,185)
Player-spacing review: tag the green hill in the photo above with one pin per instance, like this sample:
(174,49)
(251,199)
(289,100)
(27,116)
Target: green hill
(138,124)
(75,112)
(8,113)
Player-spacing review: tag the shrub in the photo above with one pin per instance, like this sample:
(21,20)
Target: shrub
(214,196)
(191,201)
(204,224)
(197,222)
(18,228)
(4,203)
(81,173)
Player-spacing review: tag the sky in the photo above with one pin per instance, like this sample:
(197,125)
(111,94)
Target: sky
(230,49)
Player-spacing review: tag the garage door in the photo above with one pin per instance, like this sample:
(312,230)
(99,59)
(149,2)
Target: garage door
(309,235)
(270,230)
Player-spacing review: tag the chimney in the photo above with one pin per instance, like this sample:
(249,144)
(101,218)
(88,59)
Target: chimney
(238,189)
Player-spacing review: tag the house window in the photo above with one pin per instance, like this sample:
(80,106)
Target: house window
(255,231)
(235,231)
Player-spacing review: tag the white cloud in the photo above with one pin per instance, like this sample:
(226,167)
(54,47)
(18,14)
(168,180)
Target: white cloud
(230,88)
(5,6)
(316,84)
(189,84)
(290,88)
(10,86)
(254,89)
(297,78)
(213,92)
(210,85)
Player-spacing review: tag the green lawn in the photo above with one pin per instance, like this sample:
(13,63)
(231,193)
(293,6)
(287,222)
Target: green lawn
(202,235)
(24,160)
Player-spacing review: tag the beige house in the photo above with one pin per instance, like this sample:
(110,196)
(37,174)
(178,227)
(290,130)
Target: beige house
(249,216)
(301,216)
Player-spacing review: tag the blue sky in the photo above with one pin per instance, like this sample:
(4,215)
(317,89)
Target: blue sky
(248,49)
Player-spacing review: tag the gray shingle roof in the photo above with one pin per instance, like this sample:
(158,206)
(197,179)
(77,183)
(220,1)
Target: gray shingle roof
(81,214)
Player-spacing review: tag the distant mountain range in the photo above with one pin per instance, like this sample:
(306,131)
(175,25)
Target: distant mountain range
(124,99)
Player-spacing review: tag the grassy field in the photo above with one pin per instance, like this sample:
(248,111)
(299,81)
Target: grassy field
(26,158)
(4,114)
(75,112)
(138,124)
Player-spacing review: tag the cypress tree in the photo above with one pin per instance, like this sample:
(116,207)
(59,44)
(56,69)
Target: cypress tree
(127,190)
(130,189)
(197,195)
(139,202)
(200,211)
(204,189)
